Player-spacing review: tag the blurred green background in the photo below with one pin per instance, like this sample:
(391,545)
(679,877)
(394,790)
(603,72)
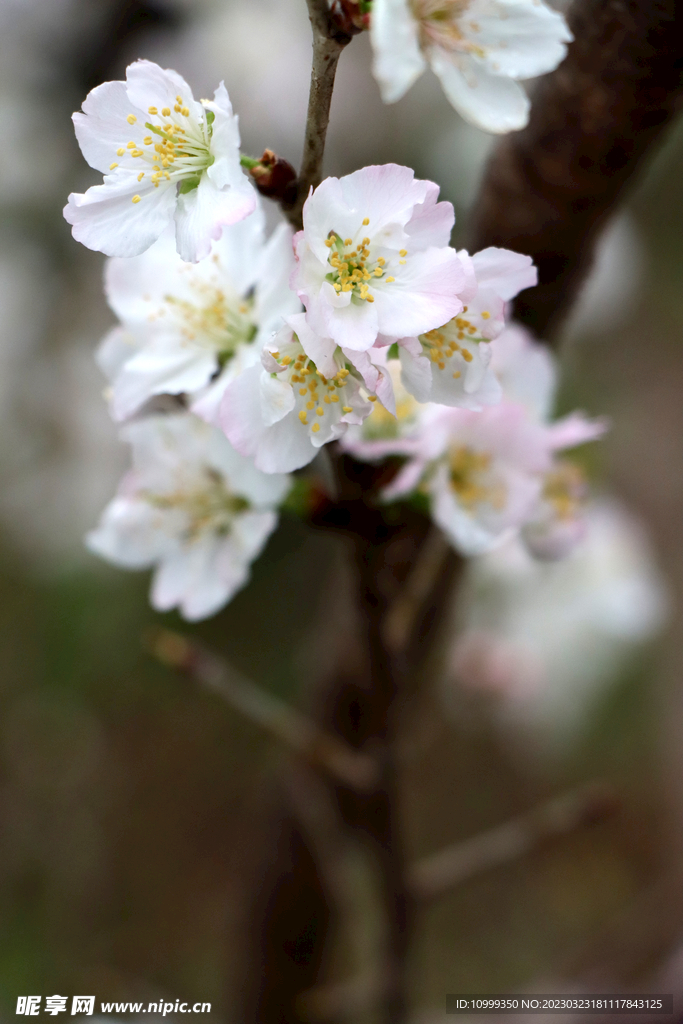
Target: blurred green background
(129,801)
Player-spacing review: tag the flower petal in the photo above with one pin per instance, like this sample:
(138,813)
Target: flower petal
(398,60)
(103,127)
(202,214)
(105,218)
(492,102)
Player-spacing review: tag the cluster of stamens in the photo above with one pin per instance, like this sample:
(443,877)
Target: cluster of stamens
(352,269)
(216,321)
(319,391)
(176,148)
(209,505)
(438,21)
(466,466)
(443,342)
(565,488)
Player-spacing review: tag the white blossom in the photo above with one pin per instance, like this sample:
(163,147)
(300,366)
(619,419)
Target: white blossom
(281,412)
(477,48)
(182,323)
(165,157)
(547,638)
(373,258)
(192,507)
(451,365)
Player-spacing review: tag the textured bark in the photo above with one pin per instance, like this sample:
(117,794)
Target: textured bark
(549,188)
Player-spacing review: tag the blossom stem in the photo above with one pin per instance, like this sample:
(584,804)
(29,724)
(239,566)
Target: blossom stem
(328,43)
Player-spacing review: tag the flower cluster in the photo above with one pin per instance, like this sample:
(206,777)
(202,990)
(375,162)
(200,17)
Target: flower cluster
(237,356)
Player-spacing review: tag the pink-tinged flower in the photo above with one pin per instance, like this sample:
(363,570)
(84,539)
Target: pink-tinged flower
(481,470)
(390,429)
(192,507)
(282,412)
(557,524)
(451,365)
(165,157)
(182,323)
(373,258)
(477,48)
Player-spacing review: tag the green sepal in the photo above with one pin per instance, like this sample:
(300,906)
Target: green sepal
(189,184)
(393,351)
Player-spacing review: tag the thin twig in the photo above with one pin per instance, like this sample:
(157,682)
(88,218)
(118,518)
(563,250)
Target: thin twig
(328,43)
(434,875)
(298,732)
(454,865)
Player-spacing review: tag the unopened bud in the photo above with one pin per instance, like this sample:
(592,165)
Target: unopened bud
(275,177)
(351,16)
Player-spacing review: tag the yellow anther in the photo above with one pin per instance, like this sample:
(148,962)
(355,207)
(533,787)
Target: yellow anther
(302,391)
(401,262)
(390,279)
(135,199)
(136,152)
(442,366)
(403,252)
(372,398)
(179,99)
(456,375)
(366,241)
(152,110)
(326,399)
(112,166)
(369,298)
(320,410)
(347,408)
(467,356)
(141,175)
(334,398)
(165,111)
(185,111)
(329,243)
(366,221)
(120,151)
(315,428)
(377,272)
(310,405)
(337,286)
(302,416)
(131,119)
(131,145)
(348,241)
(286,360)
(147,140)
(177,108)
(485,315)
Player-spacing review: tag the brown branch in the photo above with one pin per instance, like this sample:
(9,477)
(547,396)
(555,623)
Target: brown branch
(328,42)
(549,188)
(454,865)
(297,731)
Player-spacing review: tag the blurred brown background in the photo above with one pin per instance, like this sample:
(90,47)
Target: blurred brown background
(128,800)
